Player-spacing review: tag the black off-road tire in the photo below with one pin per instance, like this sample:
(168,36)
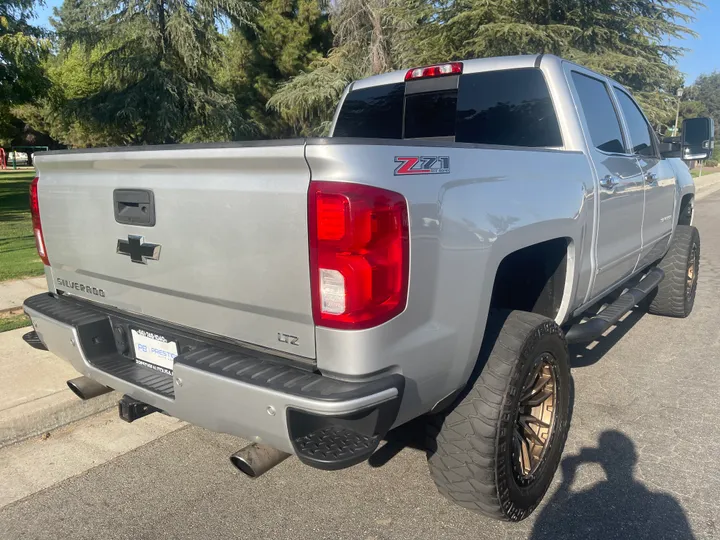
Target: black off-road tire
(470,444)
(675,296)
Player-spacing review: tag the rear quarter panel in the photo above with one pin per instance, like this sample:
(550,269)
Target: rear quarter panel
(462,224)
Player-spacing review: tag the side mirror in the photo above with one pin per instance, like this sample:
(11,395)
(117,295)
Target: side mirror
(698,138)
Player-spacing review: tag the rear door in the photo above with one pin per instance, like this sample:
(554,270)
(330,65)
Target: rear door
(659,177)
(226,253)
(620,182)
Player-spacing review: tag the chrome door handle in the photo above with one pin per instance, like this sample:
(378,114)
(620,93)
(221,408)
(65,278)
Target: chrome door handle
(609,182)
(650,178)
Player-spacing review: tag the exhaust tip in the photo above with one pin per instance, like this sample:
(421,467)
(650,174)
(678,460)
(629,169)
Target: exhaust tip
(73,386)
(86,388)
(243,466)
(257,459)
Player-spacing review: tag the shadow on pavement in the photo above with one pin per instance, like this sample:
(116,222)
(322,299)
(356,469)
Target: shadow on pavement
(410,435)
(618,507)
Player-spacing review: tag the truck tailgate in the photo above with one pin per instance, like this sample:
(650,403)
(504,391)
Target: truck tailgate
(230,223)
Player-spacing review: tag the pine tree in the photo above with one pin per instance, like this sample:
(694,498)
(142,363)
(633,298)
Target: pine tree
(287,37)
(625,39)
(363,45)
(157,61)
(706,90)
(22,49)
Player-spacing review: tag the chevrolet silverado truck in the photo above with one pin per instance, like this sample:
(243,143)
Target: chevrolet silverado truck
(431,259)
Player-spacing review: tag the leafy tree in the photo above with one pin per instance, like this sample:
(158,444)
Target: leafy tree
(624,39)
(363,45)
(688,109)
(706,90)
(22,48)
(157,63)
(71,81)
(287,37)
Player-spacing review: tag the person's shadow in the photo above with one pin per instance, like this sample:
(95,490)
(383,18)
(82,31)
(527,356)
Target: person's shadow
(618,507)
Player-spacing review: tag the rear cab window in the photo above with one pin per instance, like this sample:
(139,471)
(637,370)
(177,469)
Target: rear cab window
(374,113)
(507,107)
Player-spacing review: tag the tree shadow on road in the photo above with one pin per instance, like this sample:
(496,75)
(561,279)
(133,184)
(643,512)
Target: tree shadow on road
(619,507)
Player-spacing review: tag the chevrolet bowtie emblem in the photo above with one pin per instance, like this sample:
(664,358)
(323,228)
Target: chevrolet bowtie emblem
(138,251)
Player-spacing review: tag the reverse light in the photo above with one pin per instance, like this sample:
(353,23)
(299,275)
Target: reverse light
(438,70)
(359,254)
(37,226)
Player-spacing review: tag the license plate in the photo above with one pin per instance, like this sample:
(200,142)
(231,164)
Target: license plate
(154,351)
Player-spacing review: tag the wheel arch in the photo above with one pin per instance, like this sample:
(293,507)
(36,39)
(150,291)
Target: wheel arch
(687,209)
(564,265)
(536,278)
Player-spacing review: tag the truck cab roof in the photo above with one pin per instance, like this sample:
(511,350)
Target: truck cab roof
(476,65)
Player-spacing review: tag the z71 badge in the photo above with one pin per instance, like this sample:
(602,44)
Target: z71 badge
(422,165)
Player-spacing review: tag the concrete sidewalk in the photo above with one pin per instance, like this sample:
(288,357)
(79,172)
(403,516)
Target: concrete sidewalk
(33,395)
(705,185)
(13,293)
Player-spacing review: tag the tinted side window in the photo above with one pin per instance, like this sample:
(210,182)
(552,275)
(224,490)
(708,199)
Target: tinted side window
(375,112)
(511,107)
(638,127)
(600,115)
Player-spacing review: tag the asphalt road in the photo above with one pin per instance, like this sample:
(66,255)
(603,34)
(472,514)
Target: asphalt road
(641,461)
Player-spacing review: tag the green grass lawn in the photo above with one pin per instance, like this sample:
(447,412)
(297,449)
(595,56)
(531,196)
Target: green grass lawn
(706,171)
(18,257)
(12,322)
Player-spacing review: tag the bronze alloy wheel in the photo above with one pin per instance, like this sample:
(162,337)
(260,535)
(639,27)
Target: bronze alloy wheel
(692,273)
(535,419)
(495,456)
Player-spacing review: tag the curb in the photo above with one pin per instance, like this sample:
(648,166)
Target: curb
(703,191)
(49,412)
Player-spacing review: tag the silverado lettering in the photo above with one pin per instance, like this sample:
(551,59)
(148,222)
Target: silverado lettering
(80,287)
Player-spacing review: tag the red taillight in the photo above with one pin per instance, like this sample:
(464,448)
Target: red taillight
(359,254)
(438,70)
(37,226)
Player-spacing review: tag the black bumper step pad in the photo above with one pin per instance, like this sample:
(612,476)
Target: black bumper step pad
(123,368)
(336,444)
(261,369)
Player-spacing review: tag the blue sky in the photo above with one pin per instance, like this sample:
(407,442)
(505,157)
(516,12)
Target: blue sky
(703,56)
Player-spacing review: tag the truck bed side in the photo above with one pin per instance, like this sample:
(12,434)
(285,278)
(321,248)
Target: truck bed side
(462,224)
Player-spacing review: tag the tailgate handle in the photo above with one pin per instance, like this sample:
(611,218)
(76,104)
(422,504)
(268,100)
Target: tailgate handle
(134,207)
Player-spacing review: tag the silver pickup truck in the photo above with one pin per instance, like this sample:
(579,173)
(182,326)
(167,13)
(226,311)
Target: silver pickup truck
(432,258)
